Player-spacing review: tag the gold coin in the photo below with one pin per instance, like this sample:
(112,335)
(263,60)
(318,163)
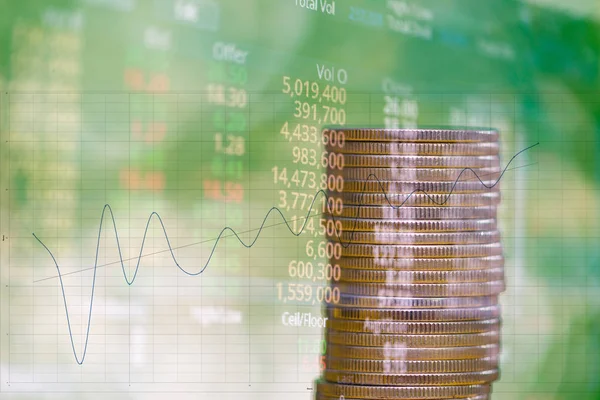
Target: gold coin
(422,251)
(348,300)
(421,290)
(453,225)
(411,366)
(454,378)
(394,200)
(419,135)
(406,212)
(422,314)
(420,264)
(379,238)
(399,392)
(402,161)
(412,328)
(391,352)
(417,149)
(402,276)
(417,174)
(411,341)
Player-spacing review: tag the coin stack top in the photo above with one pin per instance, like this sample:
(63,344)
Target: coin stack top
(421,266)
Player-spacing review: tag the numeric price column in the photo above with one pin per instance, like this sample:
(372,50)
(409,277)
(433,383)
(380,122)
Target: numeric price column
(303,178)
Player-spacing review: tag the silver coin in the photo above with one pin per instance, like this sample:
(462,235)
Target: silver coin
(422,251)
(420,264)
(397,188)
(379,238)
(401,161)
(395,199)
(492,288)
(398,225)
(413,327)
(406,212)
(341,390)
(418,135)
(404,276)
(349,300)
(417,174)
(424,149)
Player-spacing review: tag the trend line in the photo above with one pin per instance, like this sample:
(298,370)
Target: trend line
(234,233)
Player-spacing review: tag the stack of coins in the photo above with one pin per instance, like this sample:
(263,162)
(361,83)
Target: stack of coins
(416,314)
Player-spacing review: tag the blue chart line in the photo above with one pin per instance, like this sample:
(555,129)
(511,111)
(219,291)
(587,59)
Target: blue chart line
(247,245)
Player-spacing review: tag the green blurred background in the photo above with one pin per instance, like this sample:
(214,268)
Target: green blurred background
(179,107)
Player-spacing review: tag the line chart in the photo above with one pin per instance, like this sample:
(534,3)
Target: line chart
(213,239)
(80,359)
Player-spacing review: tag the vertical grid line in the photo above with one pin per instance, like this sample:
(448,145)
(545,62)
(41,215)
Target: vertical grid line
(177,228)
(129,241)
(105,247)
(9,239)
(33,269)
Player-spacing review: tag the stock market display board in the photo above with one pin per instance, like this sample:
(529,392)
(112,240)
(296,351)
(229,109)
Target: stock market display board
(163,171)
